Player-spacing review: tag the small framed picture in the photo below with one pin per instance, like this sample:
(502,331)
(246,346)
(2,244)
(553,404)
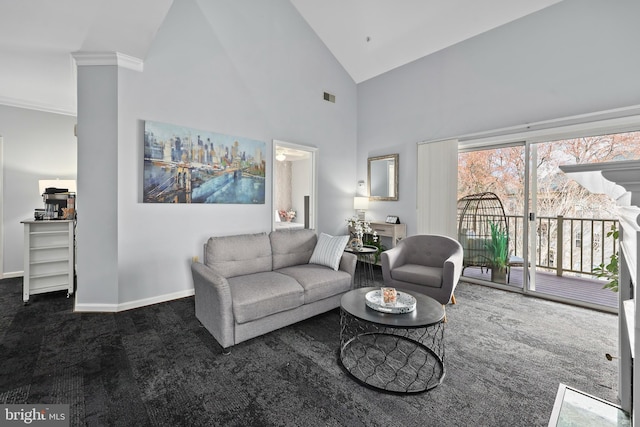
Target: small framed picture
(391,219)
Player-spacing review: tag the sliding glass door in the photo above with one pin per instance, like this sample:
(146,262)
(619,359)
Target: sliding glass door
(491,200)
(558,234)
(572,231)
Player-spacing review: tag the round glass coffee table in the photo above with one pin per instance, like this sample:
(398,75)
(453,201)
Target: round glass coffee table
(397,353)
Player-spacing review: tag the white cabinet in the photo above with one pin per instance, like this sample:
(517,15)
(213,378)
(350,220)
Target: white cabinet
(395,231)
(48,257)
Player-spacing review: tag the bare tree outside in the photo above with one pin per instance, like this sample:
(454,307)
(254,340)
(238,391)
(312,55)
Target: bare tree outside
(501,171)
(561,203)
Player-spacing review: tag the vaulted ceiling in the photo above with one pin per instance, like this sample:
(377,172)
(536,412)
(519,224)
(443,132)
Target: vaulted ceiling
(368,37)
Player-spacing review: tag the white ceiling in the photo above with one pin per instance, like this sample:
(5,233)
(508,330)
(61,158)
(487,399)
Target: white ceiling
(401,31)
(38,36)
(368,37)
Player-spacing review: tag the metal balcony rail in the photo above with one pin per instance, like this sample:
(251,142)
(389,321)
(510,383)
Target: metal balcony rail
(566,245)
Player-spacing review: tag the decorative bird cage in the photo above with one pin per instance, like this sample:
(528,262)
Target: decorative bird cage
(475,214)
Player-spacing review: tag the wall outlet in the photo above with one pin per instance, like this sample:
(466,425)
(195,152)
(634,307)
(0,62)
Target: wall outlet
(195,259)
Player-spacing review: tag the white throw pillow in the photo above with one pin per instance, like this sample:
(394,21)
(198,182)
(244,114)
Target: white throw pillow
(328,250)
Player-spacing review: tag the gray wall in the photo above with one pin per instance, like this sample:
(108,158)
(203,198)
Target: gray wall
(578,56)
(246,68)
(37,145)
(98,179)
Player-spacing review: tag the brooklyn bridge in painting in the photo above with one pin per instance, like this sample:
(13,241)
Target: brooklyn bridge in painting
(183,165)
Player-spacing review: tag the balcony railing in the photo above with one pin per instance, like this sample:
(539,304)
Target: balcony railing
(566,245)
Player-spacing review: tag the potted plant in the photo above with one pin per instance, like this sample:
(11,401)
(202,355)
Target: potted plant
(375,242)
(358,228)
(498,253)
(610,271)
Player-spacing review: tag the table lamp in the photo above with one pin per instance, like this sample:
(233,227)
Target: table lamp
(360,204)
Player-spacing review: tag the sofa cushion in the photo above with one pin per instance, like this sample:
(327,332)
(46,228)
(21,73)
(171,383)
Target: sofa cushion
(258,295)
(420,274)
(239,255)
(328,250)
(292,247)
(319,282)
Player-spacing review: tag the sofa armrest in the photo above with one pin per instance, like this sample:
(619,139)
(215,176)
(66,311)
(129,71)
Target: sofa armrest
(348,264)
(214,306)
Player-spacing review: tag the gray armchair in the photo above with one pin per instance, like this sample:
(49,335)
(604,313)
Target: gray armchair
(429,264)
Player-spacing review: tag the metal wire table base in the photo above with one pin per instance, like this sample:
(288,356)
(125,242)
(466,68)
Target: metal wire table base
(392,359)
(364,271)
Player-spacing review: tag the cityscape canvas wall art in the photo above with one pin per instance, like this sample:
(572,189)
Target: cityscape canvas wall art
(184,165)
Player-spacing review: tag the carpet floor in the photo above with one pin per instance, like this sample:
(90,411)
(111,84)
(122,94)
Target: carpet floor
(157,366)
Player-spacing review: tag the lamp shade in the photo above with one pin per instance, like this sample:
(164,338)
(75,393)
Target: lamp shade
(360,203)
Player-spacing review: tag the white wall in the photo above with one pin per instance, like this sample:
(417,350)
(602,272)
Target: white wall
(246,68)
(282,188)
(37,145)
(255,69)
(301,184)
(578,56)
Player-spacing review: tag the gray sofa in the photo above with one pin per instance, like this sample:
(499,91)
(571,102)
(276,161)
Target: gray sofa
(252,284)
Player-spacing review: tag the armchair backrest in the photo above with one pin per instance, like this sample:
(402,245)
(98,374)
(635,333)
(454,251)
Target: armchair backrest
(429,249)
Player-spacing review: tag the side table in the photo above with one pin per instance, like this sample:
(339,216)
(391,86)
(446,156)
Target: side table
(364,265)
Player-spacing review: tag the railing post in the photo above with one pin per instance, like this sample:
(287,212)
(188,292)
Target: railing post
(559,248)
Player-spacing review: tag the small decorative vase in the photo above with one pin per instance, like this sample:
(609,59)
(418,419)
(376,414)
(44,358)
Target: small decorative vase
(499,275)
(355,244)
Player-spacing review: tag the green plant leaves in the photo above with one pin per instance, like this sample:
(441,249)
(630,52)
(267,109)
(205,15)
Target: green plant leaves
(609,271)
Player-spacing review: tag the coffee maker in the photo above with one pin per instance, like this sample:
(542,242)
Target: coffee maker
(59,203)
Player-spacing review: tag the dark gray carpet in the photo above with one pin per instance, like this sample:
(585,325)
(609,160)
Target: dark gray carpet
(157,366)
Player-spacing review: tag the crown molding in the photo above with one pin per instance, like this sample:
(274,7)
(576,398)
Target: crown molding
(108,58)
(30,105)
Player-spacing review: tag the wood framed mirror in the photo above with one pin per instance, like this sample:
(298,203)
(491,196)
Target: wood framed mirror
(382,177)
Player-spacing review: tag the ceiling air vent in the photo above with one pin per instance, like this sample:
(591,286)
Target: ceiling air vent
(329,97)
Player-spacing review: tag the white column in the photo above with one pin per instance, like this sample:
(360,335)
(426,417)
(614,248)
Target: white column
(97,202)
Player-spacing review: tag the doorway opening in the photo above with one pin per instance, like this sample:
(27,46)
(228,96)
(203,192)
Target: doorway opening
(294,186)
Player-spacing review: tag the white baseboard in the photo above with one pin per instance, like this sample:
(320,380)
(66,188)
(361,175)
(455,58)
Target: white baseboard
(114,308)
(95,308)
(12,274)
